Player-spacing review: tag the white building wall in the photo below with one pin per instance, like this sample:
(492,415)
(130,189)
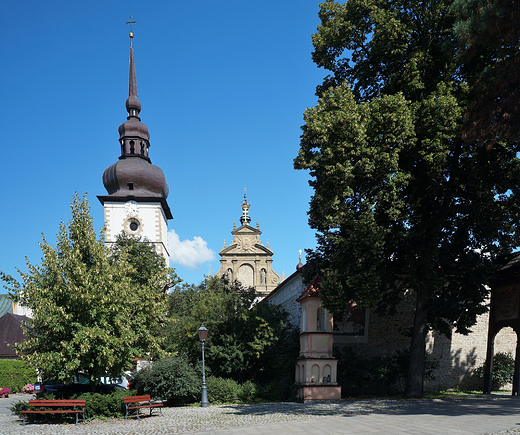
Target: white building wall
(285,296)
(151,224)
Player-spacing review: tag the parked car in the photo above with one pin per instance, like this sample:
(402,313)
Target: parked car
(121,382)
(81,384)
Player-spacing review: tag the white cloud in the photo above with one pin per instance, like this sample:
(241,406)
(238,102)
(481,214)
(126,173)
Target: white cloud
(189,253)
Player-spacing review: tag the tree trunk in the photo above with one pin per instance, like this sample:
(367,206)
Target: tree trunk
(415,378)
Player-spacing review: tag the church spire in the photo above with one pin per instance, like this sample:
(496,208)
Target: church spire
(133,106)
(133,134)
(133,176)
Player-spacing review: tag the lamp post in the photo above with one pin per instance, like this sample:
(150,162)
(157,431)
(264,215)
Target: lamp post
(203,332)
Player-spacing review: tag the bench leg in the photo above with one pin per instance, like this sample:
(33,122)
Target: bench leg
(160,411)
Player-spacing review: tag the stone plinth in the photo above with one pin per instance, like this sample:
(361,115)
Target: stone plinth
(320,393)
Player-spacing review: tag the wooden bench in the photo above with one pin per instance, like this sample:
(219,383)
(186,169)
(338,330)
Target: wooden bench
(135,403)
(76,404)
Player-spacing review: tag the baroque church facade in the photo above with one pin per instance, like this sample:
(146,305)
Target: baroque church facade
(246,259)
(137,191)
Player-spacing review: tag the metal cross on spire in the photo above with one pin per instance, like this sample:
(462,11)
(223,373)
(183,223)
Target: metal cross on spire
(131,21)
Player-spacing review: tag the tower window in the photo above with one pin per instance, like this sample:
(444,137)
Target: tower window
(130,186)
(132,147)
(133,226)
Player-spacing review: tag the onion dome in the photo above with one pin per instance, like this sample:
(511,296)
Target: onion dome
(299,266)
(134,174)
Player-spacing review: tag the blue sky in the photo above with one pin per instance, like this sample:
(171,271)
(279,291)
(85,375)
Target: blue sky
(223,87)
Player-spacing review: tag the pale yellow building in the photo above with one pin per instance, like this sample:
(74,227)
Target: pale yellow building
(246,259)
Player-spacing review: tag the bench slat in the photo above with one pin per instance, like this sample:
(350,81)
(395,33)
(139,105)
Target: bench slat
(132,399)
(54,411)
(56,403)
(153,405)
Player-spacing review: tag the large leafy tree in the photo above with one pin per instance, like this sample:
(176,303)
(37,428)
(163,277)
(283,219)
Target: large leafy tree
(91,311)
(246,341)
(400,202)
(489,39)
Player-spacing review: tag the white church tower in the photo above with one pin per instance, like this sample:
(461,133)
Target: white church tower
(137,190)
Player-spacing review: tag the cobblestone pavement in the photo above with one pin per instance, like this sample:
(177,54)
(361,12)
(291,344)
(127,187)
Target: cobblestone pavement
(373,416)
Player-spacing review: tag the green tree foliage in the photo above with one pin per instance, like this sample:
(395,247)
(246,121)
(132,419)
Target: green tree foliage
(151,279)
(245,341)
(15,374)
(91,312)
(489,38)
(172,379)
(400,202)
(147,264)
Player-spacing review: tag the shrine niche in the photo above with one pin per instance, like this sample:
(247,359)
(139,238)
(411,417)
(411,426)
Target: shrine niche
(504,312)
(316,368)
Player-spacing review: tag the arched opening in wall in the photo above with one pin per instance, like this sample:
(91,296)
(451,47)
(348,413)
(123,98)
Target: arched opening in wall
(315,373)
(321,324)
(327,372)
(246,275)
(229,275)
(304,320)
(504,349)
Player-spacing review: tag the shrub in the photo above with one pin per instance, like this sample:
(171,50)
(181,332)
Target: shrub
(277,391)
(222,390)
(247,392)
(99,405)
(171,379)
(359,375)
(503,370)
(14,374)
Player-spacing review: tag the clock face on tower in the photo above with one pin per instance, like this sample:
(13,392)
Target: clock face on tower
(132,208)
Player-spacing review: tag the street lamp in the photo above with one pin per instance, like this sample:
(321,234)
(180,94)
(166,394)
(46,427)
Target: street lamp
(203,333)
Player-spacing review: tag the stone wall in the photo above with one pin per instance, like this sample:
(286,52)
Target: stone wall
(456,359)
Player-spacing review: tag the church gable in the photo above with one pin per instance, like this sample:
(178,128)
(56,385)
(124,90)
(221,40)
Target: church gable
(246,259)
